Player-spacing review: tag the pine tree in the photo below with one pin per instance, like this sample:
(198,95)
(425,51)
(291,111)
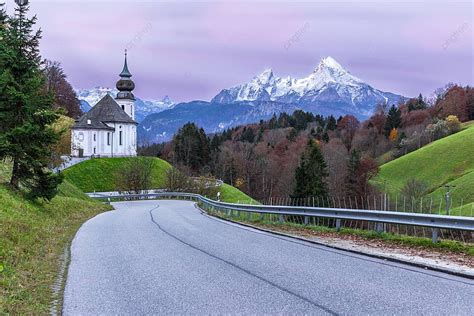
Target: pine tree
(311,174)
(352,180)
(394,119)
(26,113)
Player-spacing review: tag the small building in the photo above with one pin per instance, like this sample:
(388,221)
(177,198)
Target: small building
(109,128)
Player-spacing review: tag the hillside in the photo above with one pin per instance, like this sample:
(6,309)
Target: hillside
(448,161)
(33,235)
(99,174)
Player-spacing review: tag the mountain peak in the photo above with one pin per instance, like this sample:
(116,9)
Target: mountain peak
(329,62)
(265,76)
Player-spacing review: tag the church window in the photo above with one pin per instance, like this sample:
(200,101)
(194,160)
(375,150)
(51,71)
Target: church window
(94,150)
(108,138)
(94,137)
(120,137)
(123,107)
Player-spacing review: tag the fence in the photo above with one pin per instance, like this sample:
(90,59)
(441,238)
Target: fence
(338,217)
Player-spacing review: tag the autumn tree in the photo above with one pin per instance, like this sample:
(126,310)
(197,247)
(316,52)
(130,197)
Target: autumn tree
(393,136)
(347,127)
(57,84)
(455,102)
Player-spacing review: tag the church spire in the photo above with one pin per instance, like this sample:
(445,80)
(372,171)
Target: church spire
(125,85)
(125,72)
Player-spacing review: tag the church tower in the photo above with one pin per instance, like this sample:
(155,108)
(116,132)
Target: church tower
(125,86)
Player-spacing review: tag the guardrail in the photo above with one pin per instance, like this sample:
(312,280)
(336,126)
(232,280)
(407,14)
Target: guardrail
(435,222)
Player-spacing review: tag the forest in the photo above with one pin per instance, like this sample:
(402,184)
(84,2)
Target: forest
(268,159)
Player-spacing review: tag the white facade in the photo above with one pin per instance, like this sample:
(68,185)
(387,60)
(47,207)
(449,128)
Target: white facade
(128,106)
(120,142)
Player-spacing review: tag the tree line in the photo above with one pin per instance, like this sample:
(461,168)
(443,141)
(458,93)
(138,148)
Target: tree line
(303,154)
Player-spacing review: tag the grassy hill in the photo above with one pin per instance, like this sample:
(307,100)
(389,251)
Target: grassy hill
(100,174)
(448,161)
(33,235)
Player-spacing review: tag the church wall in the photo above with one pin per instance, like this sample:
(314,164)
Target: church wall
(128,106)
(84,139)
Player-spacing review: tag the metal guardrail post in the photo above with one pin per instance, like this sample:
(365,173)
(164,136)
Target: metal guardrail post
(434,235)
(338,224)
(306,220)
(281,219)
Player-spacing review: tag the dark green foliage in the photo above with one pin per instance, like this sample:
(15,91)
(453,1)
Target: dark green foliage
(352,179)
(191,147)
(331,123)
(417,104)
(325,137)
(311,175)
(292,135)
(45,185)
(26,113)
(394,119)
(248,135)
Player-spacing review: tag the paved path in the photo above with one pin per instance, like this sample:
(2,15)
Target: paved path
(165,257)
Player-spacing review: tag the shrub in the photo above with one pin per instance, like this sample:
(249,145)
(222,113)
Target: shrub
(453,123)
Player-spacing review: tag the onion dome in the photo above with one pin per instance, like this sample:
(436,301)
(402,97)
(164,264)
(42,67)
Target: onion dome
(125,85)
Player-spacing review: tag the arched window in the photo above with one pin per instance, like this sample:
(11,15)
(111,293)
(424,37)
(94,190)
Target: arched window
(120,138)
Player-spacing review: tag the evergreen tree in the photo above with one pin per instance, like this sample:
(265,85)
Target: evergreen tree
(325,137)
(352,180)
(332,123)
(248,135)
(191,147)
(311,174)
(394,119)
(26,112)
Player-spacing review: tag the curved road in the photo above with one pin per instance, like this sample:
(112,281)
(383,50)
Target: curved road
(165,257)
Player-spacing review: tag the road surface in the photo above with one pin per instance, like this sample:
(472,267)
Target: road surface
(166,257)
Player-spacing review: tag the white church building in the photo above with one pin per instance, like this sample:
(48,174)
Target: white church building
(109,128)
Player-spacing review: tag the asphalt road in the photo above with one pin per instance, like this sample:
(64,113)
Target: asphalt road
(165,257)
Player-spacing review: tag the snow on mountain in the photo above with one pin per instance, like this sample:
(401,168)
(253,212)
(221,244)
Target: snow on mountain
(90,97)
(329,89)
(329,83)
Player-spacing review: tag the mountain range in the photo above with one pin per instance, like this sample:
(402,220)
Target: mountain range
(329,89)
(89,97)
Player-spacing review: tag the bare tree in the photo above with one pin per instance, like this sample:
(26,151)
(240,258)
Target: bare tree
(136,176)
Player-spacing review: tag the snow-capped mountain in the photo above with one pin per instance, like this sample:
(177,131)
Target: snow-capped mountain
(329,86)
(329,89)
(90,97)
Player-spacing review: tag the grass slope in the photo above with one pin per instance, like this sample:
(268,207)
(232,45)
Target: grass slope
(447,161)
(99,174)
(231,194)
(33,235)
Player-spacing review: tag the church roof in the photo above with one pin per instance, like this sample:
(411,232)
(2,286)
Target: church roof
(107,110)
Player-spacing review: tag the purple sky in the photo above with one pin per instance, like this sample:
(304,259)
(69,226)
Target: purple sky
(192,49)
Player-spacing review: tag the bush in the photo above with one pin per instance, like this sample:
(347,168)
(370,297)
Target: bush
(453,123)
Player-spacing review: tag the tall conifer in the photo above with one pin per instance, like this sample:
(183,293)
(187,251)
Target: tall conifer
(26,113)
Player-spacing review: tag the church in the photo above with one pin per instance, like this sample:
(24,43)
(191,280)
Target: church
(109,128)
